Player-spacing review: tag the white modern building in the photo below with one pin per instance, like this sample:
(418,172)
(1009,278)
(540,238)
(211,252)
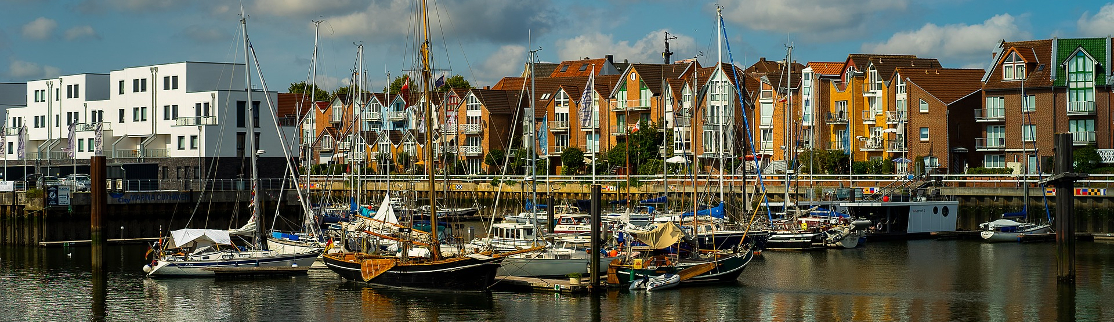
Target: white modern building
(169,116)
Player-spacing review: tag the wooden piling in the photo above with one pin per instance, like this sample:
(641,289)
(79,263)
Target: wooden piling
(99,200)
(594,264)
(1064,180)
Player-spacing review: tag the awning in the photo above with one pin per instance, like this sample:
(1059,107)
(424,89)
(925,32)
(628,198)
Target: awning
(183,237)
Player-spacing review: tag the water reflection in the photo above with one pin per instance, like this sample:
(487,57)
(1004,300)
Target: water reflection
(917,280)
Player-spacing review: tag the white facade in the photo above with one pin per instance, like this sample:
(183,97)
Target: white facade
(188,109)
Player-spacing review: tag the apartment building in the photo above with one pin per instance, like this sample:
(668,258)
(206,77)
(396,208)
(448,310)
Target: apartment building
(938,129)
(777,125)
(186,117)
(813,93)
(1037,88)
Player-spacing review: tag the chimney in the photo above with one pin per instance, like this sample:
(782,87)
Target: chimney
(610,59)
(487,86)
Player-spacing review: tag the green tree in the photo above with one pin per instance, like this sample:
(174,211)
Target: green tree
(1086,159)
(572,159)
(403,160)
(495,159)
(301,88)
(456,81)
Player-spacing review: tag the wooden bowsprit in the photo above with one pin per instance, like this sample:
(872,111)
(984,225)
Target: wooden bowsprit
(696,270)
(372,268)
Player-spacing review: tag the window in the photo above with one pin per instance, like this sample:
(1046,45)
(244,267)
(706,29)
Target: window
(165,83)
(166,112)
(76,90)
(583,67)
(924,134)
(135,85)
(174,112)
(143,113)
(80,145)
(193,142)
(1081,84)
(1029,133)
(994,161)
(173,82)
(996,136)
(181,142)
(561,100)
(564,68)
(10,147)
(121,116)
(875,80)
(135,114)
(767,139)
(924,106)
(57,94)
(931,162)
(121,87)
(644,95)
(841,110)
(69,91)
(900,85)
(767,117)
(240,113)
(143,85)
(1029,104)
(1082,131)
(1013,68)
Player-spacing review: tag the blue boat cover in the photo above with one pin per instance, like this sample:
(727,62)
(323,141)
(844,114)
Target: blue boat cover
(530,205)
(654,200)
(1013,214)
(716,211)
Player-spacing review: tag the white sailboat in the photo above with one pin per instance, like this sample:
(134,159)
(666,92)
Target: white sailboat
(1008,230)
(205,252)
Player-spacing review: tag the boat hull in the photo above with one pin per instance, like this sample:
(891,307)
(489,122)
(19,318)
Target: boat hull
(733,239)
(460,275)
(286,246)
(1000,236)
(798,241)
(208,268)
(548,267)
(728,270)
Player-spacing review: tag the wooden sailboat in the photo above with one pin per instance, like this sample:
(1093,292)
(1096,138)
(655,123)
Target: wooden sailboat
(471,272)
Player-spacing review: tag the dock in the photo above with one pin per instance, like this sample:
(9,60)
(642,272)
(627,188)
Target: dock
(1029,238)
(111,241)
(543,285)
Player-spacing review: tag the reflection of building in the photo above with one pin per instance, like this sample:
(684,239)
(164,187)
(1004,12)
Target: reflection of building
(168,121)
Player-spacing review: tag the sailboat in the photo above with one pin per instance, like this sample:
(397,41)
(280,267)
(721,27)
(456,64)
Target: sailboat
(207,252)
(470,272)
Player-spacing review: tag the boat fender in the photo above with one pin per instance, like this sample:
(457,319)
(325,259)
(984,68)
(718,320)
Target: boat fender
(147,269)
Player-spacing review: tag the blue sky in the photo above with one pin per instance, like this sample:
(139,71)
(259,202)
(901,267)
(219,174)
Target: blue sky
(484,40)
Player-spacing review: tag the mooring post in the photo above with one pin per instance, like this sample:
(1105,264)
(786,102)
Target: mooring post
(97,206)
(1064,181)
(594,264)
(549,214)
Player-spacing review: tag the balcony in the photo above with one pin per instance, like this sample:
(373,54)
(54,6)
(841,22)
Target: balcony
(990,115)
(558,126)
(447,149)
(196,120)
(632,105)
(1083,137)
(874,144)
(868,117)
(895,117)
(594,125)
(11,130)
(125,154)
(767,146)
(325,146)
(682,122)
(836,118)
(396,116)
(155,153)
(471,128)
(87,127)
(986,144)
(356,156)
(839,145)
(896,146)
(448,129)
(373,116)
(382,155)
(471,150)
(556,150)
(344,146)
(1081,108)
(620,130)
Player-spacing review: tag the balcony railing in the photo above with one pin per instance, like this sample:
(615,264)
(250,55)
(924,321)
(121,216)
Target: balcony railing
(449,129)
(11,130)
(356,156)
(374,116)
(874,144)
(446,149)
(836,118)
(868,117)
(1081,108)
(990,143)
(85,127)
(325,146)
(682,122)
(633,105)
(287,121)
(155,153)
(196,120)
(557,126)
(620,130)
(1083,137)
(990,115)
(396,115)
(472,150)
(344,146)
(556,150)
(895,146)
(837,145)
(471,128)
(766,145)
(593,125)
(894,117)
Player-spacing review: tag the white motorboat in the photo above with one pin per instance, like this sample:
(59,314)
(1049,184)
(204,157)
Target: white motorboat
(1006,230)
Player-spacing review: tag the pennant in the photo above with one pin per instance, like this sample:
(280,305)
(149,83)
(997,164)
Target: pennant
(22,142)
(72,149)
(98,140)
(440,82)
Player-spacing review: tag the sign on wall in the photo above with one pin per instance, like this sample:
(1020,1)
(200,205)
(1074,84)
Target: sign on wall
(1107,155)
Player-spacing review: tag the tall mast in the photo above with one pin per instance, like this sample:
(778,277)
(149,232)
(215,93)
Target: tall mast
(533,175)
(435,247)
(786,137)
(307,151)
(722,110)
(252,149)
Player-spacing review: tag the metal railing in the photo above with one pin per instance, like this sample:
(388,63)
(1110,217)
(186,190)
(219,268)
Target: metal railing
(1081,108)
(874,144)
(1083,137)
(344,145)
(990,115)
(282,121)
(448,129)
(155,153)
(990,143)
(556,150)
(472,150)
(374,116)
(894,117)
(633,105)
(125,154)
(396,115)
(86,127)
(593,125)
(469,128)
(12,130)
(836,118)
(869,117)
(895,146)
(202,120)
(837,145)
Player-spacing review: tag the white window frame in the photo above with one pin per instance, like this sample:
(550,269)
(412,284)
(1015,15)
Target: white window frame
(924,134)
(923,107)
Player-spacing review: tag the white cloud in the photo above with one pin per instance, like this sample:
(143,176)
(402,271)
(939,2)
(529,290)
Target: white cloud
(302,8)
(144,5)
(1099,25)
(645,50)
(81,32)
(204,34)
(40,28)
(958,41)
(508,60)
(808,16)
(18,69)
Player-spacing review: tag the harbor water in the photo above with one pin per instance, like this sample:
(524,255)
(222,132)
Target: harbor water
(920,280)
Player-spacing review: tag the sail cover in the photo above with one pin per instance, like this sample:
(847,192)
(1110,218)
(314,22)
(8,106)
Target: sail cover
(660,235)
(714,212)
(183,237)
(247,229)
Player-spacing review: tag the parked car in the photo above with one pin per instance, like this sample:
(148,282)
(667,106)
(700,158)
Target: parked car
(46,181)
(77,182)
(30,180)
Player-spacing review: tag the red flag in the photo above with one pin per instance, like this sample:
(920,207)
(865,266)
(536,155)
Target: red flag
(405,83)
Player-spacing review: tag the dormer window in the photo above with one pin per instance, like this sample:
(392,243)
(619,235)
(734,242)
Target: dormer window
(583,67)
(1013,68)
(875,80)
(564,68)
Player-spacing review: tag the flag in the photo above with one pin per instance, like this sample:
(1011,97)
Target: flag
(73,143)
(440,82)
(98,139)
(21,136)
(405,83)
(542,139)
(586,100)
(4,143)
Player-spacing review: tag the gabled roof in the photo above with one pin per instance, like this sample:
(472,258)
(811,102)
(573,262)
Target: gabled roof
(887,64)
(1038,70)
(653,74)
(290,103)
(826,68)
(573,68)
(945,84)
(499,101)
(1097,49)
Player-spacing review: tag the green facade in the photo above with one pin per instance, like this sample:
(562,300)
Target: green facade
(1096,47)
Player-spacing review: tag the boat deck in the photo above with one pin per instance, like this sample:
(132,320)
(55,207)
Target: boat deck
(544,285)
